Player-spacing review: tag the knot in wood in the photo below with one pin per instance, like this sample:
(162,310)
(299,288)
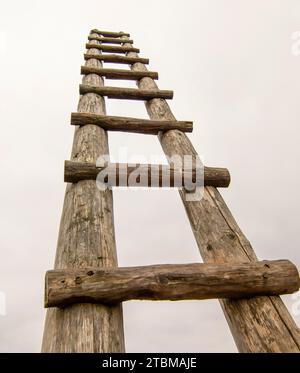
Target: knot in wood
(78,280)
(162,279)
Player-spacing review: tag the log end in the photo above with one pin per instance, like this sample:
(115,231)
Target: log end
(46,294)
(227,178)
(69,172)
(217,177)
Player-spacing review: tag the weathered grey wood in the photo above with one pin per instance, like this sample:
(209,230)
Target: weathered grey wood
(125,124)
(126,93)
(259,324)
(104,40)
(118,73)
(172,282)
(112,48)
(86,238)
(110,34)
(148,175)
(115,58)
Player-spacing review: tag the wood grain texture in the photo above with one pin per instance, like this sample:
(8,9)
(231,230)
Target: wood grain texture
(86,238)
(259,324)
(115,58)
(172,282)
(104,40)
(121,93)
(109,34)
(126,124)
(119,73)
(147,175)
(112,48)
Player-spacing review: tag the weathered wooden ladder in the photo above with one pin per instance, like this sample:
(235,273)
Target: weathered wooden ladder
(86,290)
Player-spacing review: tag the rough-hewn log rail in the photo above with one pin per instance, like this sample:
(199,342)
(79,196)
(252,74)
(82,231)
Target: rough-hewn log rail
(109,40)
(126,124)
(126,93)
(112,48)
(115,58)
(259,324)
(146,175)
(86,239)
(119,74)
(109,34)
(172,282)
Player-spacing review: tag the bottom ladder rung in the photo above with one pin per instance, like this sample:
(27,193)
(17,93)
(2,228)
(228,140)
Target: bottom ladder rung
(170,282)
(146,175)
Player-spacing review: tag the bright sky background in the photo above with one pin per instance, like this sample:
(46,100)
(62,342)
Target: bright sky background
(234,73)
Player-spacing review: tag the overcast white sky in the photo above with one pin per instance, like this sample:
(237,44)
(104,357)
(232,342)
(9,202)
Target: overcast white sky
(231,65)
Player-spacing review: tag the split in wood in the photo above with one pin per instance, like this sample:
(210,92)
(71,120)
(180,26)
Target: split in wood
(146,175)
(110,40)
(110,34)
(170,282)
(134,125)
(118,73)
(115,58)
(126,93)
(112,48)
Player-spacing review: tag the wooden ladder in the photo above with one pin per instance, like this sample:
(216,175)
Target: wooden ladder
(86,290)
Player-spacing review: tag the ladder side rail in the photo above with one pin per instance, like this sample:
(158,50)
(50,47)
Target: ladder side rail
(86,238)
(259,324)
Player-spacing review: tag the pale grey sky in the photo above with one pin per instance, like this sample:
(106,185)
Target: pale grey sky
(231,65)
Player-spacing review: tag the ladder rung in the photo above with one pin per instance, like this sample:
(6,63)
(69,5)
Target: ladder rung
(126,93)
(118,73)
(110,34)
(114,58)
(112,48)
(110,40)
(173,282)
(135,125)
(146,175)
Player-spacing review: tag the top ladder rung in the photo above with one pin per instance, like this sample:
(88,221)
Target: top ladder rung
(110,34)
(110,40)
